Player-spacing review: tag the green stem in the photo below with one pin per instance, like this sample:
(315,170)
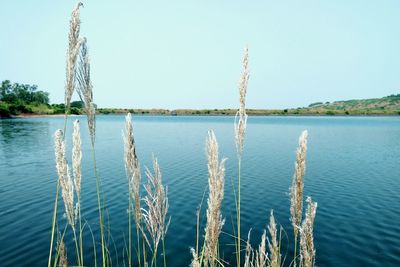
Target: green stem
(144,251)
(163,247)
(80,232)
(295,248)
(238,213)
(57,248)
(129,231)
(154,261)
(76,247)
(99,206)
(54,223)
(138,244)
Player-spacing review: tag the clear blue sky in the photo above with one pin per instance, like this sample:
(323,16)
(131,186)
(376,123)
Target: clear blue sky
(187,54)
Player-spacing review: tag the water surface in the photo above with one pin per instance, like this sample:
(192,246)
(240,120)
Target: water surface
(352,172)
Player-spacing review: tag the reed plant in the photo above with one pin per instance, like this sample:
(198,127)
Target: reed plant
(151,219)
(70,186)
(216,180)
(77,77)
(296,190)
(154,213)
(62,250)
(132,168)
(240,131)
(72,52)
(307,249)
(260,257)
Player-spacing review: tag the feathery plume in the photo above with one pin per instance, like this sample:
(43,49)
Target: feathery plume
(66,183)
(195,261)
(73,48)
(261,253)
(241,116)
(307,249)
(274,256)
(132,167)
(296,190)
(216,172)
(77,158)
(85,88)
(248,258)
(156,201)
(62,252)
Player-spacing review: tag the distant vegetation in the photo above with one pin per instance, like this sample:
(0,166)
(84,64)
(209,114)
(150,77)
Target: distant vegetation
(389,105)
(16,99)
(21,98)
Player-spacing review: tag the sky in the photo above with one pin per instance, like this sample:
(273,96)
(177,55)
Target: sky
(187,54)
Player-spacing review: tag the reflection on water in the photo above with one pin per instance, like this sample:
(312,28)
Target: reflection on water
(21,136)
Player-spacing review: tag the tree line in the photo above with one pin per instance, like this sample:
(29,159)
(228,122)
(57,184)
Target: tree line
(17,93)
(17,98)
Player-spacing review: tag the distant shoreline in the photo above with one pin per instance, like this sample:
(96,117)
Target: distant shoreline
(221,112)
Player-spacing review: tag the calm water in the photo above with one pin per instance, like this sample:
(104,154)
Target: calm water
(353,172)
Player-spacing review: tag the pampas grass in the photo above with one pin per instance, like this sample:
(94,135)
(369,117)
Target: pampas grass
(132,169)
(260,257)
(73,49)
(241,116)
(62,252)
(248,257)
(85,88)
(296,190)
(155,210)
(216,180)
(274,257)
(307,249)
(240,130)
(261,254)
(66,182)
(69,187)
(77,158)
(151,218)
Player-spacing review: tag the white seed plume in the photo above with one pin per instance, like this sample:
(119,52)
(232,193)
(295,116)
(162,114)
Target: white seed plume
(261,254)
(195,261)
(66,183)
(85,88)
(241,116)
(77,158)
(273,246)
(307,249)
(73,48)
(296,190)
(132,167)
(216,173)
(249,254)
(62,252)
(156,200)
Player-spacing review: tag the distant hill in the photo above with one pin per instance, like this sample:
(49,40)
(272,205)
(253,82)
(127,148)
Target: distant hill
(388,105)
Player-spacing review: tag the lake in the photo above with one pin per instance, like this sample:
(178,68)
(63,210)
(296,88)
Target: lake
(353,172)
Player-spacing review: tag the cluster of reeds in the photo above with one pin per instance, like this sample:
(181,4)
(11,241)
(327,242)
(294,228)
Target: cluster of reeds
(150,211)
(268,252)
(77,78)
